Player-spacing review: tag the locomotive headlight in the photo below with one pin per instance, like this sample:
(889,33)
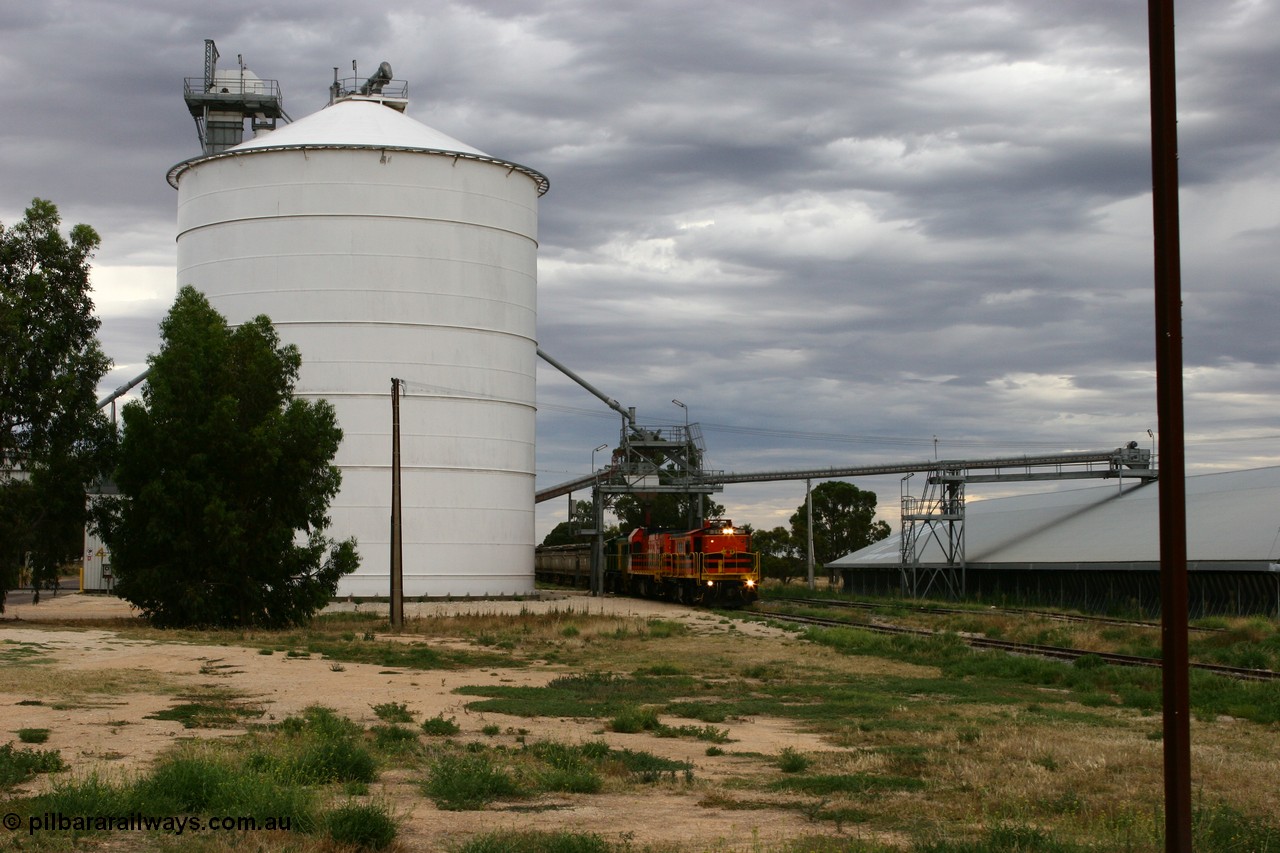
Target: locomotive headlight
(751,584)
(727,531)
(711,583)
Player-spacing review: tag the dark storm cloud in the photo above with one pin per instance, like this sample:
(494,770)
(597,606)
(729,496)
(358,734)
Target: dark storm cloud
(838,231)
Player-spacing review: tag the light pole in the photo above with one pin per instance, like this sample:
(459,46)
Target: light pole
(686,416)
(693,514)
(597,535)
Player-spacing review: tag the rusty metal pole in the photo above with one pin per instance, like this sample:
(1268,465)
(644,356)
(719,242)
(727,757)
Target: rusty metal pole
(808,507)
(397,549)
(1173,500)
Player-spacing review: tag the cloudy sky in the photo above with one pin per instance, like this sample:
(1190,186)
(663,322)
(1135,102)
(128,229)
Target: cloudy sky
(842,233)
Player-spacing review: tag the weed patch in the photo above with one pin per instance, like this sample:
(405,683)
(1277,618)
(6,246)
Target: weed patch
(392,712)
(467,782)
(528,841)
(208,712)
(848,783)
(19,765)
(438,726)
(365,826)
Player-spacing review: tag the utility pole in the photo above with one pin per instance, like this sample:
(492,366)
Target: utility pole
(808,505)
(397,542)
(1173,498)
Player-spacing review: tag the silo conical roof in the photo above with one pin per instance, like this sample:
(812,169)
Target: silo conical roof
(360,124)
(356,123)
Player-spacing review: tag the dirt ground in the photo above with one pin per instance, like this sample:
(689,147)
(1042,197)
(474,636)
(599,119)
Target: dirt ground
(98,689)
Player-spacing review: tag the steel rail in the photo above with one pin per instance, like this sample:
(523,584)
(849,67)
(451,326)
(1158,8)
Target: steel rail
(959,611)
(1033,649)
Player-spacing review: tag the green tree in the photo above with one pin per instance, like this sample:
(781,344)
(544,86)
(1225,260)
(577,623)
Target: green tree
(567,532)
(779,554)
(53,439)
(661,510)
(225,481)
(843,521)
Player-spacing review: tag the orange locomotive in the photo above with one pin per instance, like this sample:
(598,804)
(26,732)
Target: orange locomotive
(712,565)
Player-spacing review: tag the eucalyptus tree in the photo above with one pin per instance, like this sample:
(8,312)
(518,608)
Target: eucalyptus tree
(53,439)
(225,480)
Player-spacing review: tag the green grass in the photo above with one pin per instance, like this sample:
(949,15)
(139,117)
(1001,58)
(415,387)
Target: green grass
(910,728)
(23,653)
(209,711)
(416,655)
(530,841)
(325,761)
(281,780)
(651,768)
(19,765)
(707,733)
(792,761)
(1222,829)
(1004,839)
(319,721)
(591,694)
(567,768)
(468,782)
(392,712)
(477,776)
(847,783)
(438,726)
(394,739)
(632,719)
(365,826)
(998,677)
(660,629)
(191,780)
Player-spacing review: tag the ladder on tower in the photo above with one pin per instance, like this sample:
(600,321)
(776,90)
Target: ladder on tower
(935,518)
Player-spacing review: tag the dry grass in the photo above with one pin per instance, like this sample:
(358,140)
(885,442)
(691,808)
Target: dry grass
(57,684)
(932,759)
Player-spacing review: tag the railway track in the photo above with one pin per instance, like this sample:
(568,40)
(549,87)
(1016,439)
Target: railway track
(1054,652)
(960,611)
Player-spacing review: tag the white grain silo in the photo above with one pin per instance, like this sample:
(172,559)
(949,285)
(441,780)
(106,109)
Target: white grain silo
(384,248)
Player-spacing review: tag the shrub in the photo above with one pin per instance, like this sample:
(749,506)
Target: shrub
(392,712)
(469,781)
(791,761)
(321,722)
(33,735)
(183,784)
(532,841)
(440,727)
(333,761)
(633,719)
(568,768)
(19,765)
(394,738)
(367,826)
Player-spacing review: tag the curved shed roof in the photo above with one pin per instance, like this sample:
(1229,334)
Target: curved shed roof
(1232,522)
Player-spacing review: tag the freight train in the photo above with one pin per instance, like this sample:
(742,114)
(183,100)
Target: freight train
(711,565)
